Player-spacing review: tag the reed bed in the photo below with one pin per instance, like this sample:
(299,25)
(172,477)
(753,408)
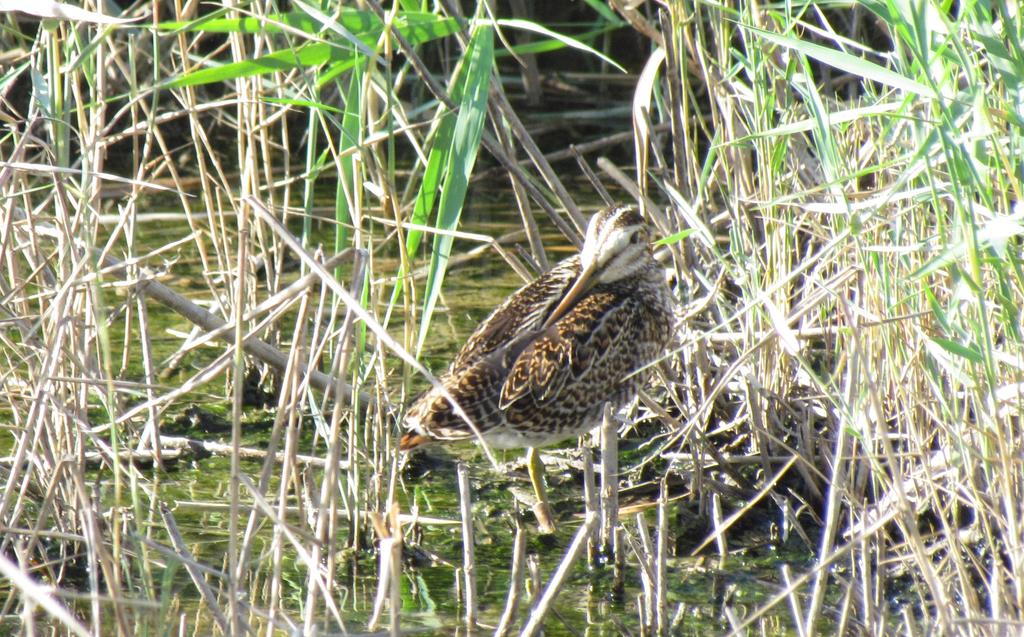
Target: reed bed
(836,187)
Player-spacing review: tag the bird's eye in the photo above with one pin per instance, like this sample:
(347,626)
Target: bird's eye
(636,237)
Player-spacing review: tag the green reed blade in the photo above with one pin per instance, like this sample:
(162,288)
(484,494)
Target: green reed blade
(341,55)
(352,20)
(846,62)
(564,40)
(348,181)
(471,88)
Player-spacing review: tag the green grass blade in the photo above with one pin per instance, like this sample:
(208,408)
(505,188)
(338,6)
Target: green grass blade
(341,55)
(526,25)
(605,12)
(351,20)
(546,46)
(430,185)
(475,82)
(312,54)
(348,180)
(846,62)
(674,238)
(958,349)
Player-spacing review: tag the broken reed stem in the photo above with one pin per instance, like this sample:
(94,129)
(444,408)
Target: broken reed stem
(389,570)
(661,564)
(396,573)
(533,567)
(595,183)
(611,534)
(536,619)
(794,602)
(619,566)
(516,581)
(468,563)
(717,520)
(383,582)
(236,566)
(645,555)
(609,482)
(591,502)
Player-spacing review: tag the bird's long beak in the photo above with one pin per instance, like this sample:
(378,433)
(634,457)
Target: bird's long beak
(582,283)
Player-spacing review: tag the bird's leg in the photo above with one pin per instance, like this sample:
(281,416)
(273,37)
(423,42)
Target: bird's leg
(542,510)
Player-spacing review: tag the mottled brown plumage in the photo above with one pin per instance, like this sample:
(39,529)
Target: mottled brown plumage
(541,367)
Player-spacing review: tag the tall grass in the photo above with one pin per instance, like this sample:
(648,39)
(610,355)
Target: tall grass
(871,206)
(838,187)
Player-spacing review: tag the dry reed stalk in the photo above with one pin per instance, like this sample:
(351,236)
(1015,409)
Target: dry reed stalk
(533,569)
(193,568)
(677,98)
(648,576)
(632,14)
(794,602)
(486,241)
(509,115)
(609,482)
(237,616)
(323,548)
(285,424)
(532,230)
(624,182)
(575,151)
(151,431)
(718,529)
(468,558)
(661,564)
(286,405)
(474,254)
(297,540)
(592,179)
(301,551)
(384,583)
(579,542)
(516,581)
(395,571)
(33,593)
(591,502)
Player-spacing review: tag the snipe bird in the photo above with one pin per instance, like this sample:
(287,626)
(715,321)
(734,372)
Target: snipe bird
(542,366)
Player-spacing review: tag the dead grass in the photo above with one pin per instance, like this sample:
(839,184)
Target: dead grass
(849,352)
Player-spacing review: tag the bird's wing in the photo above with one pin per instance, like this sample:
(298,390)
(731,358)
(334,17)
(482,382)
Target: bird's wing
(600,325)
(523,312)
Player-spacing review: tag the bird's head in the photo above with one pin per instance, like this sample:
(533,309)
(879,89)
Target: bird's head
(617,242)
(616,247)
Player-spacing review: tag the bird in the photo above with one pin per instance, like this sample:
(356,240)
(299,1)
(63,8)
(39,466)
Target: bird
(542,366)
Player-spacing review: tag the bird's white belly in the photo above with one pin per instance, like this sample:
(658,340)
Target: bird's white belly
(519,439)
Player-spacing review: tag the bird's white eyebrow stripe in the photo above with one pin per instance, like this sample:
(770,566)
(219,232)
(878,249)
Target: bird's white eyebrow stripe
(621,210)
(618,213)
